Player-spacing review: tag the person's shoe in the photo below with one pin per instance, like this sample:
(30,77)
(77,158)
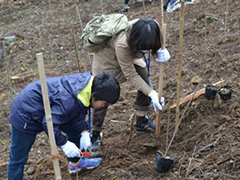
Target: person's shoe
(125,8)
(166,4)
(96,139)
(144,124)
(84,163)
(172,5)
(137,1)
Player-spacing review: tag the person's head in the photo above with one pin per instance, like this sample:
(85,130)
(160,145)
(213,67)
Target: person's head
(105,90)
(145,34)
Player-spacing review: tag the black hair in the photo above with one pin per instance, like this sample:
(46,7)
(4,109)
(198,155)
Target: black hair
(145,34)
(106,88)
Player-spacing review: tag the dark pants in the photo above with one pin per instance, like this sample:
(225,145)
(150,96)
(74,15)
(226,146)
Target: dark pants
(141,103)
(21,145)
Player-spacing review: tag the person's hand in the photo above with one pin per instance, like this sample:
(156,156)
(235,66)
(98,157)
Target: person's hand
(155,100)
(163,55)
(70,149)
(162,101)
(85,141)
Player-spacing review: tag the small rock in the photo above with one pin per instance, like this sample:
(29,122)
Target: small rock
(31,171)
(196,80)
(117,106)
(133,93)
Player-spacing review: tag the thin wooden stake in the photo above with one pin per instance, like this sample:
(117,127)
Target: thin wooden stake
(76,50)
(79,16)
(50,5)
(180,61)
(48,115)
(144,8)
(101,5)
(131,129)
(8,71)
(160,82)
(226,16)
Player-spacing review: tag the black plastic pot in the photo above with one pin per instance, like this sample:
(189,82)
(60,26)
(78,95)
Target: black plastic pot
(210,91)
(225,92)
(163,163)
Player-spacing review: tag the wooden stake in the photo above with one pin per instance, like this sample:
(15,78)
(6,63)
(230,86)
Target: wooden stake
(144,9)
(48,115)
(101,6)
(76,50)
(50,5)
(79,16)
(132,128)
(8,72)
(180,61)
(160,83)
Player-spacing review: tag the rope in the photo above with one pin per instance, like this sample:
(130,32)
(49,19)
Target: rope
(52,157)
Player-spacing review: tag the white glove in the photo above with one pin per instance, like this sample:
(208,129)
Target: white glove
(163,55)
(85,141)
(162,101)
(155,100)
(71,150)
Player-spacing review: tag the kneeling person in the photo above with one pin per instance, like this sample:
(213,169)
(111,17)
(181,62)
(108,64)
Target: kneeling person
(70,99)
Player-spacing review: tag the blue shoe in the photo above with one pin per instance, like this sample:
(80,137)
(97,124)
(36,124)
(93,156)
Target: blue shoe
(84,163)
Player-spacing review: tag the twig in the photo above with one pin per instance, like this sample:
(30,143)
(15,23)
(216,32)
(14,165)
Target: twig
(207,146)
(8,73)
(190,161)
(4,164)
(195,167)
(131,129)
(161,154)
(222,161)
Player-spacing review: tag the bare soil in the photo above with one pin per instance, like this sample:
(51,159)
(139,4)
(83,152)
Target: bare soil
(206,145)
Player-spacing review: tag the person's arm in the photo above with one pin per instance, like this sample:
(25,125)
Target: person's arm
(82,127)
(80,123)
(126,64)
(59,137)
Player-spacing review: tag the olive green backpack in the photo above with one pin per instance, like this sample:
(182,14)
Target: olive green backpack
(101,28)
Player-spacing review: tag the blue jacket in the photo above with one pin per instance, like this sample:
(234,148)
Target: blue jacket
(27,110)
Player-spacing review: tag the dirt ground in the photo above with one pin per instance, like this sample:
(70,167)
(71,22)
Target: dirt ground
(206,145)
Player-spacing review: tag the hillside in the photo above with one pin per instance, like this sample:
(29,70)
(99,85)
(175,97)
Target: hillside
(207,143)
